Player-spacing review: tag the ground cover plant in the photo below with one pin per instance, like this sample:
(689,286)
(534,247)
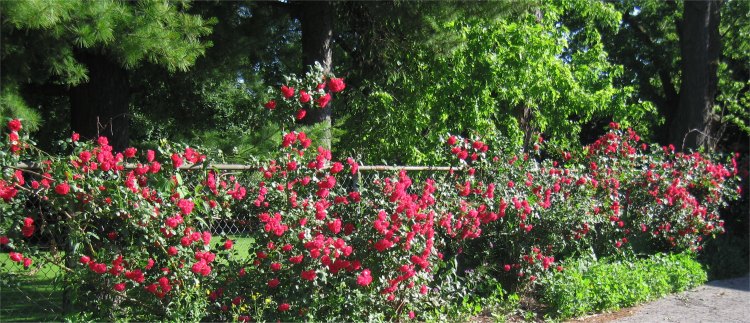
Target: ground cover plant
(589,286)
(136,223)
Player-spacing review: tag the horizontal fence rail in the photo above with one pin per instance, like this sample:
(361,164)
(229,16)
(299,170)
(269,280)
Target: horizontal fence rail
(37,166)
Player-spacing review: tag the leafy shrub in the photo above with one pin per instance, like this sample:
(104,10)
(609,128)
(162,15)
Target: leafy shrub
(616,196)
(588,286)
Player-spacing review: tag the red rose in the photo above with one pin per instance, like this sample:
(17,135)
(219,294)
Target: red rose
(288,139)
(301,114)
(353,164)
(85,156)
(119,287)
(28,231)
(270,105)
(287,92)
(334,226)
(4,240)
(284,307)
(336,85)
(308,275)
(337,167)
(364,278)
(323,100)
(154,168)
(176,160)
(62,188)
(304,97)
(186,206)
(98,268)
(75,137)
(13,138)
(15,257)
(130,152)
(14,125)
(228,244)
(273,283)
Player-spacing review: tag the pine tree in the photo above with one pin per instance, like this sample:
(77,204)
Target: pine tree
(82,52)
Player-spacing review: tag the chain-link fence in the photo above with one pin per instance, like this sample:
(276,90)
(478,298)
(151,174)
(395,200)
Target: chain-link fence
(37,293)
(40,294)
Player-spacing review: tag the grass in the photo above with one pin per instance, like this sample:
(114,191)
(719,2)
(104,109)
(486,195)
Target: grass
(35,294)
(29,295)
(242,243)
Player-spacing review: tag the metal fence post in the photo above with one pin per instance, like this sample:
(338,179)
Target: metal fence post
(67,298)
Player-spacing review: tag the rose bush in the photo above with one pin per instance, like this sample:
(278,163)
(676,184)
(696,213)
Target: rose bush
(616,196)
(137,223)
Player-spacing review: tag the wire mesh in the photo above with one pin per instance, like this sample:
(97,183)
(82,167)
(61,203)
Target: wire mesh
(36,293)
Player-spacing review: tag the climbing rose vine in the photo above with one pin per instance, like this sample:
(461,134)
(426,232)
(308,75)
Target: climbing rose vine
(136,225)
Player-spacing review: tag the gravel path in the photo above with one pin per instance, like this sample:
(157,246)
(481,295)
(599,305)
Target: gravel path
(717,301)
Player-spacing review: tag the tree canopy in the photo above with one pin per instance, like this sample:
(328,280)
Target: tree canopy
(416,71)
(80,48)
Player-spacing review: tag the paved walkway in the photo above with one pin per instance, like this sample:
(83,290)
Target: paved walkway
(717,301)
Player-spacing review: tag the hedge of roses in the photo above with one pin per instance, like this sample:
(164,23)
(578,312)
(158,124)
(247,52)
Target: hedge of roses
(137,222)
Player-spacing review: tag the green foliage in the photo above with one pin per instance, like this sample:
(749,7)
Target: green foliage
(13,105)
(587,286)
(43,42)
(648,47)
(734,70)
(218,102)
(462,295)
(154,31)
(512,77)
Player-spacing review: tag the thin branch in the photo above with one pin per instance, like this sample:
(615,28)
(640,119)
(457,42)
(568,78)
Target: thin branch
(684,139)
(29,168)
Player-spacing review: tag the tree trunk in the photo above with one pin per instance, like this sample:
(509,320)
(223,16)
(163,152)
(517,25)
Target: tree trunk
(524,115)
(316,18)
(700,47)
(99,107)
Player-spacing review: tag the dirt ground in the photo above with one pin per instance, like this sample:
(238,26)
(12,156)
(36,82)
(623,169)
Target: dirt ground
(717,301)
